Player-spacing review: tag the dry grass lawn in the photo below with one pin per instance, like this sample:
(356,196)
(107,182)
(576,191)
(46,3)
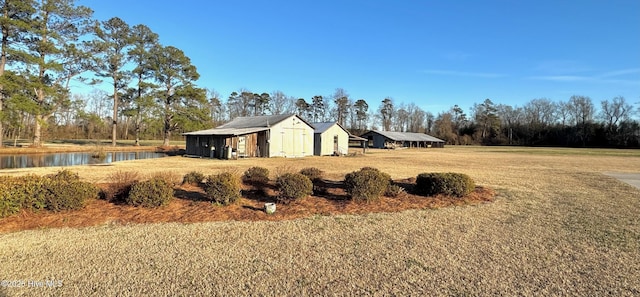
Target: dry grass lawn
(557,227)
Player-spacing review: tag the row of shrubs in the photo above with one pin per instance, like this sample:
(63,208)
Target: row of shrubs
(54,192)
(64,190)
(225,188)
(366,184)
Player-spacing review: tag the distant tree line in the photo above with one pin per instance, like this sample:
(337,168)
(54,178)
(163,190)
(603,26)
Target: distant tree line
(49,43)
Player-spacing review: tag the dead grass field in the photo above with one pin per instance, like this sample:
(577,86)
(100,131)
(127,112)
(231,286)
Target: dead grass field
(557,227)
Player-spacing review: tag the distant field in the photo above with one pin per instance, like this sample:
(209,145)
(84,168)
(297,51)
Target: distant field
(565,151)
(558,227)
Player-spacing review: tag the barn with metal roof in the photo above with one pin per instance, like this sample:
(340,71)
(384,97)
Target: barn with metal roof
(259,136)
(389,139)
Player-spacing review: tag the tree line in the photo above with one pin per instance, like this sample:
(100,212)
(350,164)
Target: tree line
(153,95)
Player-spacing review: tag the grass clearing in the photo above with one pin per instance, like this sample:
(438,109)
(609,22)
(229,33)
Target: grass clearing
(558,227)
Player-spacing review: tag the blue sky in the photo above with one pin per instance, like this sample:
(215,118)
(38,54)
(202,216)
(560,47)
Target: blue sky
(433,53)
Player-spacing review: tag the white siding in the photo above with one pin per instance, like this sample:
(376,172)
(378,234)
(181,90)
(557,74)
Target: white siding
(291,138)
(327,141)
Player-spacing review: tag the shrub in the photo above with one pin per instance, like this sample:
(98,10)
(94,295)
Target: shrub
(223,188)
(394,191)
(193,177)
(292,186)
(452,184)
(154,192)
(313,173)
(9,205)
(256,176)
(64,174)
(366,184)
(30,191)
(55,192)
(120,186)
(65,195)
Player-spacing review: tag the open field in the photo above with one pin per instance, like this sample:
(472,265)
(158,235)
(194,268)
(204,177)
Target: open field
(559,226)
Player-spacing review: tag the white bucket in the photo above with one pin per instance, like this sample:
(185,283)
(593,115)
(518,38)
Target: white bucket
(269,208)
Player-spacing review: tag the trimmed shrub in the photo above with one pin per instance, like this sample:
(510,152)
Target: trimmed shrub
(366,184)
(66,195)
(64,174)
(30,191)
(120,186)
(154,192)
(452,184)
(9,204)
(394,191)
(193,177)
(54,192)
(256,176)
(313,173)
(223,188)
(292,186)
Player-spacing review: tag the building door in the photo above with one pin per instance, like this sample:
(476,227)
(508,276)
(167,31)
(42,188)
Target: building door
(336,146)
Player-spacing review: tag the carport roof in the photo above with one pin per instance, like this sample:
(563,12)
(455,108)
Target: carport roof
(406,136)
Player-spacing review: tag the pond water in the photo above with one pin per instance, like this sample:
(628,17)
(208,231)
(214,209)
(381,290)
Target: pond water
(70,159)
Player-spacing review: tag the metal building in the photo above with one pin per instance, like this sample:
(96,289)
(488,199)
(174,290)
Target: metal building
(330,138)
(259,136)
(388,139)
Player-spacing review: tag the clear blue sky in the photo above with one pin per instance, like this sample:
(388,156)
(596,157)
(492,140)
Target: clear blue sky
(433,53)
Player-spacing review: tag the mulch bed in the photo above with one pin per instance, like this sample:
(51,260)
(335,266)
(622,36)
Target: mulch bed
(191,206)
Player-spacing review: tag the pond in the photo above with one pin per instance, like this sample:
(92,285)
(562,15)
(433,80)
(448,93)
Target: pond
(70,159)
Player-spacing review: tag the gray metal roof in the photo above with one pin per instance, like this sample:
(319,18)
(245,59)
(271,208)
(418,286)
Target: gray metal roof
(257,121)
(227,131)
(405,136)
(246,125)
(321,127)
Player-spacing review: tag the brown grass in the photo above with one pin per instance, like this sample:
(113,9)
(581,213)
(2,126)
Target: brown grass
(557,227)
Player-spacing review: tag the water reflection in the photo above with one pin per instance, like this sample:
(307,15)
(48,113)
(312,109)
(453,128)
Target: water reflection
(70,159)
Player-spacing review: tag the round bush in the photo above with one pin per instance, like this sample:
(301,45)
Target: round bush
(256,175)
(293,186)
(452,184)
(154,192)
(223,188)
(64,174)
(66,195)
(313,173)
(366,184)
(193,177)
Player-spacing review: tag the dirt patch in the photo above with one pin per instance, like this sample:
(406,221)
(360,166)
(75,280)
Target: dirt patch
(191,206)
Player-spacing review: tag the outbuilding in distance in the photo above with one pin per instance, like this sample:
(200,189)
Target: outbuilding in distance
(330,138)
(259,136)
(389,139)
